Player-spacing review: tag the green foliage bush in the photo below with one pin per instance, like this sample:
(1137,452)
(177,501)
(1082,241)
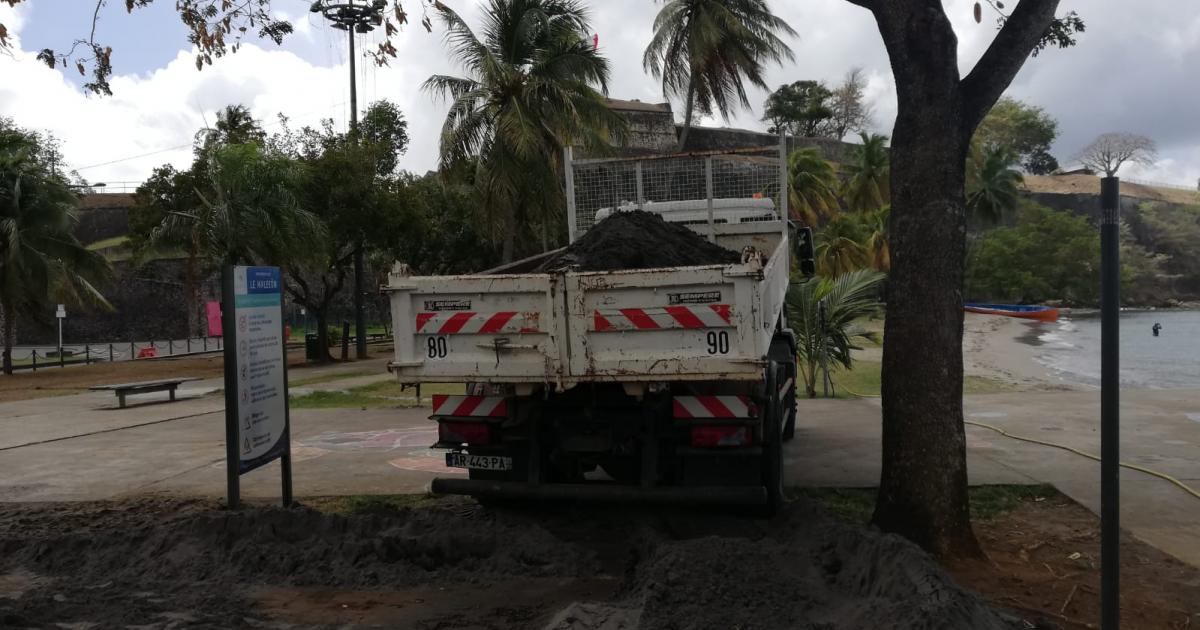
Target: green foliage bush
(1048,255)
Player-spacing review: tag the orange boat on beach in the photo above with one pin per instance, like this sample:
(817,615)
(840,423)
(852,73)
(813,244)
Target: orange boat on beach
(1035,311)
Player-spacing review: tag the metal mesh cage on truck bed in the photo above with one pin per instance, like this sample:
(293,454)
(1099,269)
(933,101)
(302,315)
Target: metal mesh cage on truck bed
(710,188)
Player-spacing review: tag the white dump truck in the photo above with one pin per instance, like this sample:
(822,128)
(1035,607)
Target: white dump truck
(671,384)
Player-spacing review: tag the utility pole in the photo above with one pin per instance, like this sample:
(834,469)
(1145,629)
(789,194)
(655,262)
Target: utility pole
(354,18)
(1110,401)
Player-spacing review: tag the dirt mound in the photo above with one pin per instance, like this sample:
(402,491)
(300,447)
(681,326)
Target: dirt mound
(809,573)
(192,564)
(638,240)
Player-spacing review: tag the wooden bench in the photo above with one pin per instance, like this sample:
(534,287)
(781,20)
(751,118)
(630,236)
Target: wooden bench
(144,387)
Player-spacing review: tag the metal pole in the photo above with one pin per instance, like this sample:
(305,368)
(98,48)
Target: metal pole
(708,195)
(572,225)
(60,339)
(1110,398)
(229,327)
(641,194)
(360,317)
(824,348)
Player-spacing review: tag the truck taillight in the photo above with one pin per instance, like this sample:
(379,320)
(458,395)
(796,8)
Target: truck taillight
(464,433)
(703,437)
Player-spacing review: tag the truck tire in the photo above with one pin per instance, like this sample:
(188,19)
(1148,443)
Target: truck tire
(772,441)
(783,351)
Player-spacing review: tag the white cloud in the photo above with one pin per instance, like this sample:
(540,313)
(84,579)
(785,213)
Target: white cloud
(1148,49)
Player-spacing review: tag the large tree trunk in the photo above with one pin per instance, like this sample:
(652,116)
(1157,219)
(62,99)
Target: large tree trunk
(923,487)
(510,234)
(8,339)
(323,334)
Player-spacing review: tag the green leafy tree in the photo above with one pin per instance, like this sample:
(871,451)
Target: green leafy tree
(1025,130)
(877,244)
(1174,231)
(799,109)
(534,84)
(347,185)
(812,186)
(170,192)
(250,215)
(822,312)
(451,240)
(705,51)
(1048,255)
(1144,277)
(993,184)
(840,246)
(41,261)
(868,179)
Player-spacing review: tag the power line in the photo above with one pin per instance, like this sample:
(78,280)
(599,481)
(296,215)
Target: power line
(269,123)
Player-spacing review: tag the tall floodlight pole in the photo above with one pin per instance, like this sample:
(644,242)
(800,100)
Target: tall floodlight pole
(1110,400)
(354,18)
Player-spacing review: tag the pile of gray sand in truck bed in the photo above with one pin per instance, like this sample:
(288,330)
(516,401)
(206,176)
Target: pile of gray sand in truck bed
(129,562)
(638,240)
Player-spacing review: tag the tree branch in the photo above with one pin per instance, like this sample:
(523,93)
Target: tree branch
(1003,59)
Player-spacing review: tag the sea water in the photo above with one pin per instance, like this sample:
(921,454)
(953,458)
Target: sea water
(1071,347)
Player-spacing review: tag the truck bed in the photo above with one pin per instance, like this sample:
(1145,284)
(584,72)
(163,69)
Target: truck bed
(710,322)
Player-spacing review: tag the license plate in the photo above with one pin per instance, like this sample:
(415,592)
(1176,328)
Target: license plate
(478,462)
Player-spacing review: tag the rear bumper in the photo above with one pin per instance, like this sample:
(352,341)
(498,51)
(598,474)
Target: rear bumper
(679,495)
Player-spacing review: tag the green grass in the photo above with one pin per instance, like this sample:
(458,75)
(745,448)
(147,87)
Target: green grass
(864,379)
(381,504)
(382,395)
(855,505)
(107,243)
(328,378)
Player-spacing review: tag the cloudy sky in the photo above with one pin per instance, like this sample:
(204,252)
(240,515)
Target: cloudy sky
(1135,70)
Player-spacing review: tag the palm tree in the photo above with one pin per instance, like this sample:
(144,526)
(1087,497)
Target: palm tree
(876,244)
(840,246)
(534,84)
(821,313)
(250,214)
(867,187)
(41,261)
(235,125)
(813,180)
(993,184)
(705,50)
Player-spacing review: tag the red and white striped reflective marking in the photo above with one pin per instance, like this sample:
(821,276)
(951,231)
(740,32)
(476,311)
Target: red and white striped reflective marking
(470,406)
(664,318)
(471,323)
(686,407)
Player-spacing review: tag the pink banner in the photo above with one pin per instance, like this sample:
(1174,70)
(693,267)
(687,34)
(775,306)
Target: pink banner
(213,309)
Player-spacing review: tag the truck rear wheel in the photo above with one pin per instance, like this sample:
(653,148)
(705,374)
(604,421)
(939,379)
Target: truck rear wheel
(784,353)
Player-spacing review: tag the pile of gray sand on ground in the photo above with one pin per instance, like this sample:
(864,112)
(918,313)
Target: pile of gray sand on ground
(808,572)
(638,240)
(121,563)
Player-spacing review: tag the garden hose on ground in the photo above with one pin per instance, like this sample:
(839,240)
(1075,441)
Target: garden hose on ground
(1154,473)
(1143,469)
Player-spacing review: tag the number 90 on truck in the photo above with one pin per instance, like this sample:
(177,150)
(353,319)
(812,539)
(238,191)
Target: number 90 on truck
(667,384)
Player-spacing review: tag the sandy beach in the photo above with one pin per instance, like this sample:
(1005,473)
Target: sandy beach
(992,349)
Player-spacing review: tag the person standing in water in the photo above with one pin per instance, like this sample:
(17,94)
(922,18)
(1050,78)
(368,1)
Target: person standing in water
(1157,327)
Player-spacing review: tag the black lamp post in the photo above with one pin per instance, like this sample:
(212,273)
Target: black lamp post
(354,18)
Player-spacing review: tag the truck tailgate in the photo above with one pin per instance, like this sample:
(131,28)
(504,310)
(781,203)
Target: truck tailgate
(679,324)
(498,328)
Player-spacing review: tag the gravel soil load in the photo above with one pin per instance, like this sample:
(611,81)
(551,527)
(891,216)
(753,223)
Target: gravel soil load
(171,563)
(639,240)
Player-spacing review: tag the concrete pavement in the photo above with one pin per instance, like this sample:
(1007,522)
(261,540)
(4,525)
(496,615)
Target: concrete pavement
(838,444)
(77,448)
